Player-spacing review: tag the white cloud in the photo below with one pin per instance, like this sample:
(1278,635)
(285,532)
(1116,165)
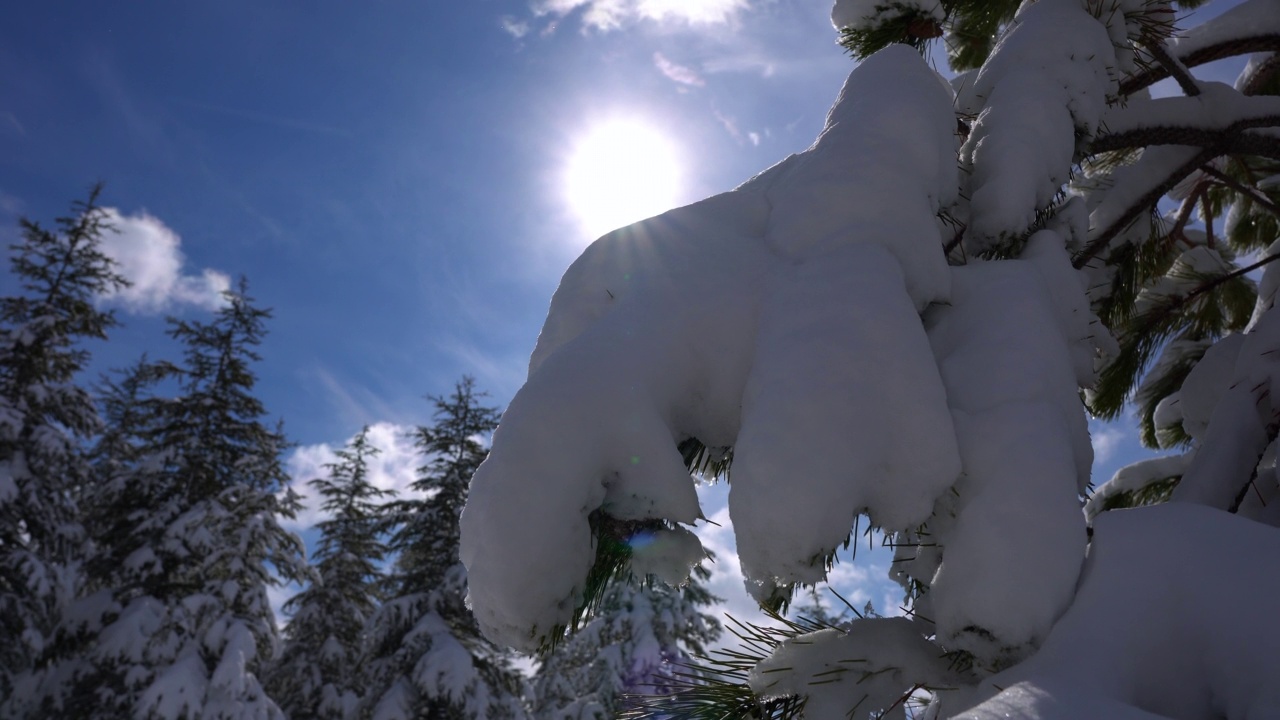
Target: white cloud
(676,72)
(750,62)
(1106,441)
(149,255)
(393,468)
(608,15)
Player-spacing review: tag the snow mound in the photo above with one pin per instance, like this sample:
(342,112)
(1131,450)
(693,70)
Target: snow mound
(1045,85)
(1153,588)
(772,318)
(1005,347)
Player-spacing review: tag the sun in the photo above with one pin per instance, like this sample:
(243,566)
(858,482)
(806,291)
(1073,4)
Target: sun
(619,172)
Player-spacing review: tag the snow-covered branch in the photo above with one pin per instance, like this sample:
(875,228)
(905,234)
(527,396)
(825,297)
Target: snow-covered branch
(1250,27)
(1261,42)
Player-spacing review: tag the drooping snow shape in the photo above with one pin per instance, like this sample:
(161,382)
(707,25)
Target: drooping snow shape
(867,664)
(1005,352)
(1205,384)
(654,331)
(842,364)
(1046,83)
(596,426)
(879,173)
(1152,589)
(667,554)
(841,359)
(1244,421)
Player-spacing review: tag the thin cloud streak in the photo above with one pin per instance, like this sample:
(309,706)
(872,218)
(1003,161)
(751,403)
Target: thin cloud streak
(268,119)
(607,15)
(676,72)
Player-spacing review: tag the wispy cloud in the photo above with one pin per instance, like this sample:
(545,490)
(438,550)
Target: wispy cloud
(11,206)
(758,63)
(393,468)
(605,15)
(514,27)
(263,118)
(9,124)
(149,255)
(676,72)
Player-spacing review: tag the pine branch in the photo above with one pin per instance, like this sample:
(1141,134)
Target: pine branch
(1267,42)
(1142,206)
(1262,74)
(1175,68)
(1230,140)
(1252,193)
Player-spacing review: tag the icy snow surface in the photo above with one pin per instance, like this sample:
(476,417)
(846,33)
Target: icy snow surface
(780,319)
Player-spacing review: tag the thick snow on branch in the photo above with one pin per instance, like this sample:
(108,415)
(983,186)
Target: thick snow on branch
(1153,634)
(1253,18)
(867,664)
(780,319)
(1013,348)
(1244,415)
(1134,188)
(1046,83)
(1217,107)
(1135,477)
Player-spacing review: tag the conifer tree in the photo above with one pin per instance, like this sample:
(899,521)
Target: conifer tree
(427,656)
(318,675)
(44,419)
(190,498)
(637,644)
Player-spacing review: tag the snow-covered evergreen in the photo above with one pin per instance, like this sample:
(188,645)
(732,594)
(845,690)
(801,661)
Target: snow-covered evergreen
(638,642)
(863,330)
(427,658)
(189,505)
(45,418)
(319,672)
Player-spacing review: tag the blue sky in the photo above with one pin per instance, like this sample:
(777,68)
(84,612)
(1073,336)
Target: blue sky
(390,176)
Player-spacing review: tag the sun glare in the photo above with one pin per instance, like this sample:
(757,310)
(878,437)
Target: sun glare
(621,171)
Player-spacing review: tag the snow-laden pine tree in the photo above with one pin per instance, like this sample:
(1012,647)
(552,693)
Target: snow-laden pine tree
(898,323)
(427,658)
(639,643)
(188,507)
(45,419)
(318,675)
